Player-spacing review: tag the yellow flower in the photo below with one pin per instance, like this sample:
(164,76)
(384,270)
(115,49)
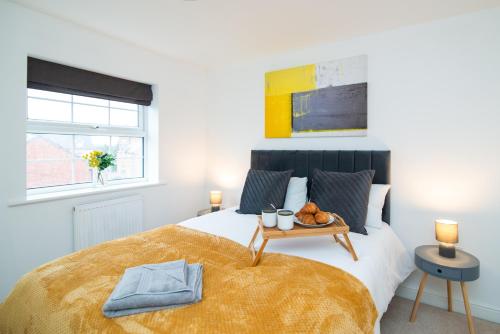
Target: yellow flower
(93,158)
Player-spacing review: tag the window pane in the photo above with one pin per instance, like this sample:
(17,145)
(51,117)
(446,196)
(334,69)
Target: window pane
(56,173)
(85,144)
(128,118)
(48,147)
(123,105)
(127,169)
(49,110)
(127,147)
(90,114)
(83,172)
(48,173)
(90,100)
(129,157)
(50,161)
(48,95)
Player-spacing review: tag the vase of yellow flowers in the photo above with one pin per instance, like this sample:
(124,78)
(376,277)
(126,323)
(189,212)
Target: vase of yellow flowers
(99,161)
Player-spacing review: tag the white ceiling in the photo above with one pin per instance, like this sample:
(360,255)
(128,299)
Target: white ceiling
(212,32)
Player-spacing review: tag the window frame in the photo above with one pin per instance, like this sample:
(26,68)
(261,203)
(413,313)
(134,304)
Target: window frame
(35,126)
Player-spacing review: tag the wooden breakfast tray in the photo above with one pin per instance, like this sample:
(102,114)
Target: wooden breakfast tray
(338,227)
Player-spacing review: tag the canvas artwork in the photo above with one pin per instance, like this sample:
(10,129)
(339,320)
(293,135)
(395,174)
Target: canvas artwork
(324,99)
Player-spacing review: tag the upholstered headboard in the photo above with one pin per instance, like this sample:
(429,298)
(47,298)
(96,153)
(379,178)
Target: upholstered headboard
(304,162)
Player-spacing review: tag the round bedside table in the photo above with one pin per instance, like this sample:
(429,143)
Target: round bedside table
(464,267)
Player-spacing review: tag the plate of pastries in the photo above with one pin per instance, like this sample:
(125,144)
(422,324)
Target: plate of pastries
(311,216)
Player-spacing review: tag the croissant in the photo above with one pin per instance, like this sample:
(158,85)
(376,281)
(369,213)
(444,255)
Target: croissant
(308,219)
(299,215)
(310,208)
(322,217)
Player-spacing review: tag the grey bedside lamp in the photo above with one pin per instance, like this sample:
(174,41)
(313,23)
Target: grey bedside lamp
(447,235)
(215,200)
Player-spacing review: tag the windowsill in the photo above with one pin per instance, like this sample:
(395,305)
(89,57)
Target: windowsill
(47,197)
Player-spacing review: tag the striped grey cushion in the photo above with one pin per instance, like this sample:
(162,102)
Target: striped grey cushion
(262,188)
(346,194)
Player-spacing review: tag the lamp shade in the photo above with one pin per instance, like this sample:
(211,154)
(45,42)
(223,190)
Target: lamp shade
(215,197)
(446,231)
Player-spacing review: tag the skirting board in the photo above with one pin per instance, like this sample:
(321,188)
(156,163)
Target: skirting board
(431,298)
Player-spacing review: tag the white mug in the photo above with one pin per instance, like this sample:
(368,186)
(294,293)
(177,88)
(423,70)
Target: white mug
(285,220)
(269,217)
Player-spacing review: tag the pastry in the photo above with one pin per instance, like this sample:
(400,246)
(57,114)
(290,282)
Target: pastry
(300,215)
(322,217)
(310,208)
(308,219)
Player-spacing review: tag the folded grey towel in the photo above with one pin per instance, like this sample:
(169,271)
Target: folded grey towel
(154,287)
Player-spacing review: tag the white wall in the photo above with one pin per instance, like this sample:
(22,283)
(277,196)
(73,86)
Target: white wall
(433,101)
(31,235)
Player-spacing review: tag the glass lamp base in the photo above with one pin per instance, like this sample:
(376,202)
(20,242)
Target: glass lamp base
(447,251)
(215,208)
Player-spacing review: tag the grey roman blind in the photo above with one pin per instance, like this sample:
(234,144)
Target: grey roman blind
(59,78)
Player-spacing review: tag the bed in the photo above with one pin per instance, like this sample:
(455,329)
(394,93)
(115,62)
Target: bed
(301,285)
(383,260)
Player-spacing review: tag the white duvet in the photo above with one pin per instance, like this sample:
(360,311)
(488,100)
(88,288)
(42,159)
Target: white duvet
(383,260)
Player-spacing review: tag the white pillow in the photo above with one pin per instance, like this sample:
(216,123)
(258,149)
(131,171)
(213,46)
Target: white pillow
(375,205)
(296,194)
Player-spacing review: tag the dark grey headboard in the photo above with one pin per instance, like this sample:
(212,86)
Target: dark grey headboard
(304,162)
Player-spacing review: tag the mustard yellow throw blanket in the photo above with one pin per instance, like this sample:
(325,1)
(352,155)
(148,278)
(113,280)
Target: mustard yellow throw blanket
(283,294)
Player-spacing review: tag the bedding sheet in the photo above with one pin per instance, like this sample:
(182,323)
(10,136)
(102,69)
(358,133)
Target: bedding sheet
(383,260)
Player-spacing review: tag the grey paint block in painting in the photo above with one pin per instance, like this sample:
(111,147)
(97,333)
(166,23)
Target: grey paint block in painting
(330,108)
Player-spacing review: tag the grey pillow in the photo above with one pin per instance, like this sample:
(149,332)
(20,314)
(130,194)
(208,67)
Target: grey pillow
(345,194)
(263,188)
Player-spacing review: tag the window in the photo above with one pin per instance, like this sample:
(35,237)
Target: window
(62,127)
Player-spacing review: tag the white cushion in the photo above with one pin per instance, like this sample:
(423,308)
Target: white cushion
(375,205)
(296,194)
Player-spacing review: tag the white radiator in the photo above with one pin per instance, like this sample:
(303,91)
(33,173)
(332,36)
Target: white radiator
(101,221)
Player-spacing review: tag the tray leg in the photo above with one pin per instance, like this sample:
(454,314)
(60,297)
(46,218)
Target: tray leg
(350,248)
(250,245)
(257,257)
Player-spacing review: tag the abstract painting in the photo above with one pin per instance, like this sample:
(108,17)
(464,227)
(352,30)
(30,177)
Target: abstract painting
(324,99)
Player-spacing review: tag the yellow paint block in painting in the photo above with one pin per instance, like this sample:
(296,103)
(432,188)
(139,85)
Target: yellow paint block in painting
(278,116)
(279,88)
(291,80)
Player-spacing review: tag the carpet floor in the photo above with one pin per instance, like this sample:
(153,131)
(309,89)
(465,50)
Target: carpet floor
(430,320)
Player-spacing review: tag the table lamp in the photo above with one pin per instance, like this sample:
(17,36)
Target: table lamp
(447,235)
(215,200)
